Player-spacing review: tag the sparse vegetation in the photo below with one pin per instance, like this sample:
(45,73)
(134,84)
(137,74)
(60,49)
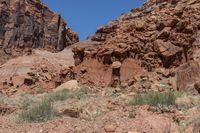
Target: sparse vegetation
(59,95)
(195,121)
(41,112)
(155,98)
(39,90)
(80,94)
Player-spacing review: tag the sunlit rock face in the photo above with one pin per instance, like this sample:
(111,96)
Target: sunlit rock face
(27,24)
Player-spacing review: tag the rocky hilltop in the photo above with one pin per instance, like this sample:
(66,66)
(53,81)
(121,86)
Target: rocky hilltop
(138,74)
(26,24)
(160,34)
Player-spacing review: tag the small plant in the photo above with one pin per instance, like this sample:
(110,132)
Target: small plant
(40,109)
(41,112)
(155,99)
(26,103)
(59,95)
(39,90)
(80,94)
(66,94)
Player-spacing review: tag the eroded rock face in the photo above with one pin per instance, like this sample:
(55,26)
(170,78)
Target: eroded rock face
(28,24)
(159,34)
(188,75)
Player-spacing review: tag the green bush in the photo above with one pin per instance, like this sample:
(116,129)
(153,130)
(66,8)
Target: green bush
(66,94)
(80,94)
(155,98)
(41,112)
(40,90)
(59,95)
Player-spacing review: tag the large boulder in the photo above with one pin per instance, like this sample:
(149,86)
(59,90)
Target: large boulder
(169,52)
(69,85)
(188,75)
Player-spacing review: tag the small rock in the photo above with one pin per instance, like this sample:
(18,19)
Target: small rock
(164,34)
(166,73)
(197,86)
(124,85)
(84,69)
(116,64)
(131,82)
(71,113)
(140,25)
(28,81)
(110,128)
(18,80)
(69,85)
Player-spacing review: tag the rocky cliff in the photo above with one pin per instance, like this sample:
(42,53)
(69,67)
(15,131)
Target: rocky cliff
(28,24)
(159,34)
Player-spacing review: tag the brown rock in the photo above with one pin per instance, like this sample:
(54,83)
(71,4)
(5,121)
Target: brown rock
(184,101)
(18,80)
(69,85)
(164,34)
(110,128)
(28,81)
(71,113)
(116,64)
(84,69)
(197,86)
(6,110)
(187,75)
(140,25)
(27,24)
(179,9)
(168,51)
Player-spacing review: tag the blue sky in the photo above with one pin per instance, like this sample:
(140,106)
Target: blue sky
(85,16)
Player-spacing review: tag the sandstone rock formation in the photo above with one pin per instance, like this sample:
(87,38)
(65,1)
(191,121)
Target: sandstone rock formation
(28,24)
(159,34)
(42,70)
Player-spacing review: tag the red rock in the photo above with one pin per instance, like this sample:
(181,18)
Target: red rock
(116,64)
(71,113)
(197,86)
(27,24)
(140,25)
(168,51)
(110,128)
(164,34)
(188,74)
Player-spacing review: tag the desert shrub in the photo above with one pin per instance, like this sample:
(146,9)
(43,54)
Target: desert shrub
(155,98)
(66,94)
(59,95)
(80,94)
(40,112)
(40,90)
